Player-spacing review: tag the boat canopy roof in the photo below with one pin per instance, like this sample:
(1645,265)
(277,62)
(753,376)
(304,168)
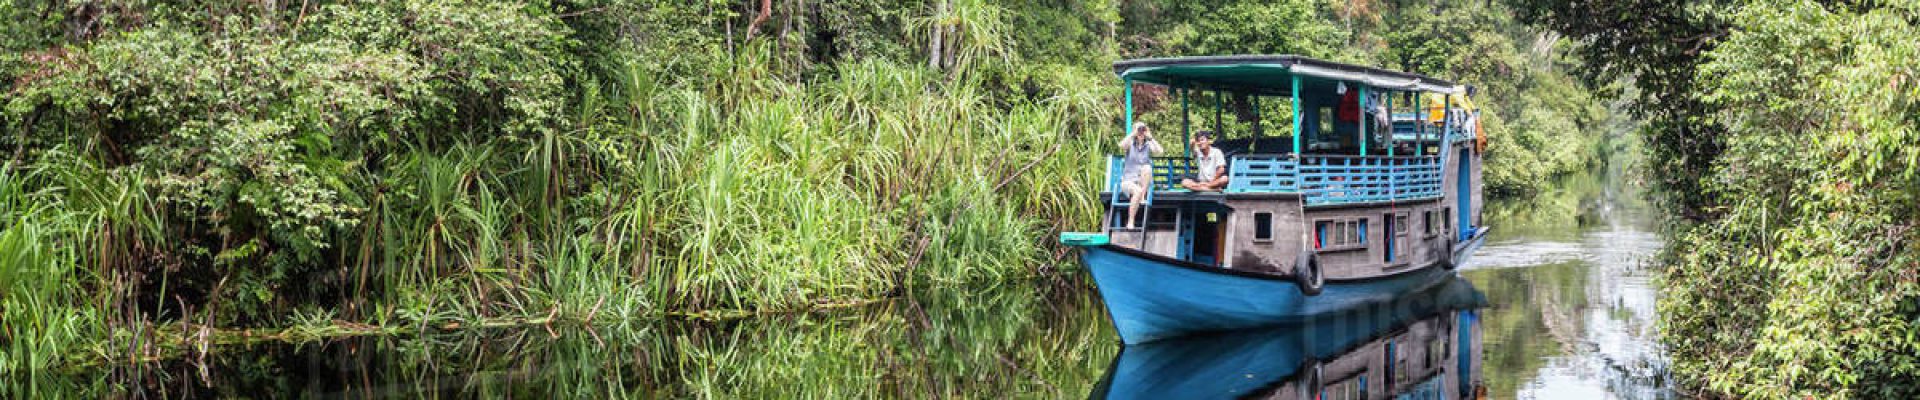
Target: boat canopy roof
(1270,74)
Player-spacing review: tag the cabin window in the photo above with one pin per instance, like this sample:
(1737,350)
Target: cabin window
(1446,219)
(1262,227)
(1160,217)
(1340,234)
(1435,352)
(1326,120)
(1354,388)
(1427,223)
(1400,371)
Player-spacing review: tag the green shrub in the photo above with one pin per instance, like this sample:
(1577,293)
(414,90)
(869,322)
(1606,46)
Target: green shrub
(1808,285)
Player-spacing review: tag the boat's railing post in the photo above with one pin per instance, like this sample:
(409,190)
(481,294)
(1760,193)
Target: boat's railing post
(1359,102)
(1296,114)
(1186,123)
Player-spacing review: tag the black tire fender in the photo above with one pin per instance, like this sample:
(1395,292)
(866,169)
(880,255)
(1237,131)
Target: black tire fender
(1308,275)
(1446,254)
(1310,380)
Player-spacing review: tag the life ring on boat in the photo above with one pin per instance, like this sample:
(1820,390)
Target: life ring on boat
(1445,248)
(1307,274)
(1310,383)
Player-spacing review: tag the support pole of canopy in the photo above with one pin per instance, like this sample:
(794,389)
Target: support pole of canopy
(1258,129)
(1420,120)
(1127,130)
(1389,111)
(1446,121)
(1219,103)
(1186,123)
(1360,104)
(1443,146)
(1296,115)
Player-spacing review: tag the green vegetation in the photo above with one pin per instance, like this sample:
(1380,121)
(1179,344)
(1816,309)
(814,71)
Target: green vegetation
(444,163)
(179,173)
(1785,133)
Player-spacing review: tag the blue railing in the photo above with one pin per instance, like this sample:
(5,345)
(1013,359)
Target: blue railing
(1263,173)
(1167,173)
(1406,128)
(1345,179)
(1328,179)
(1416,177)
(1320,179)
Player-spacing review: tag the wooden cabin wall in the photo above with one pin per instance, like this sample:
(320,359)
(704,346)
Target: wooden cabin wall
(1422,249)
(1243,252)
(1161,242)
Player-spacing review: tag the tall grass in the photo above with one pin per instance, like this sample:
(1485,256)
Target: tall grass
(62,215)
(842,188)
(732,189)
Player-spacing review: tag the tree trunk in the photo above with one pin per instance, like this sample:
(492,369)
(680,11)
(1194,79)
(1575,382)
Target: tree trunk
(766,9)
(935,46)
(953,48)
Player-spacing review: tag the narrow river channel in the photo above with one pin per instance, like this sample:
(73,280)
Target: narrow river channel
(1569,279)
(1558,304)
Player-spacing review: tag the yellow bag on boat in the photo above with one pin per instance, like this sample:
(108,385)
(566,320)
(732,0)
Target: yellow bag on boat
(1437,106)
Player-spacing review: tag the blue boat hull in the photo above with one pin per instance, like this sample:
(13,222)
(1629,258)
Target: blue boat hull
(1151,298)
(1239,364)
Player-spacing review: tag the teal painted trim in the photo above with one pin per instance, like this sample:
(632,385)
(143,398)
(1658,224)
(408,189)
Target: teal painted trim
(1127,128)
(1186,227)
(1296,114)
(1390,146)
(1361,103)
(1115,165)
(1186,123)
(1420,121)
(1442,147)
(1084,239)
(1464,194)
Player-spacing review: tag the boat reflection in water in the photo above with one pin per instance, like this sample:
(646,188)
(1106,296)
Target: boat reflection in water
(1423,345)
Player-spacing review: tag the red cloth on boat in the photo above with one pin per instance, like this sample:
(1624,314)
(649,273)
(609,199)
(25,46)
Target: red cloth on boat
(1349,108)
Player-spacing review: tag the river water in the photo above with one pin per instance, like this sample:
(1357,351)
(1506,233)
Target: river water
(1558,304)
(1569,277)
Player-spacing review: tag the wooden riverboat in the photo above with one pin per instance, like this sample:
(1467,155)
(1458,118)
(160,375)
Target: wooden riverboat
(1419,348)
(1345,210)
